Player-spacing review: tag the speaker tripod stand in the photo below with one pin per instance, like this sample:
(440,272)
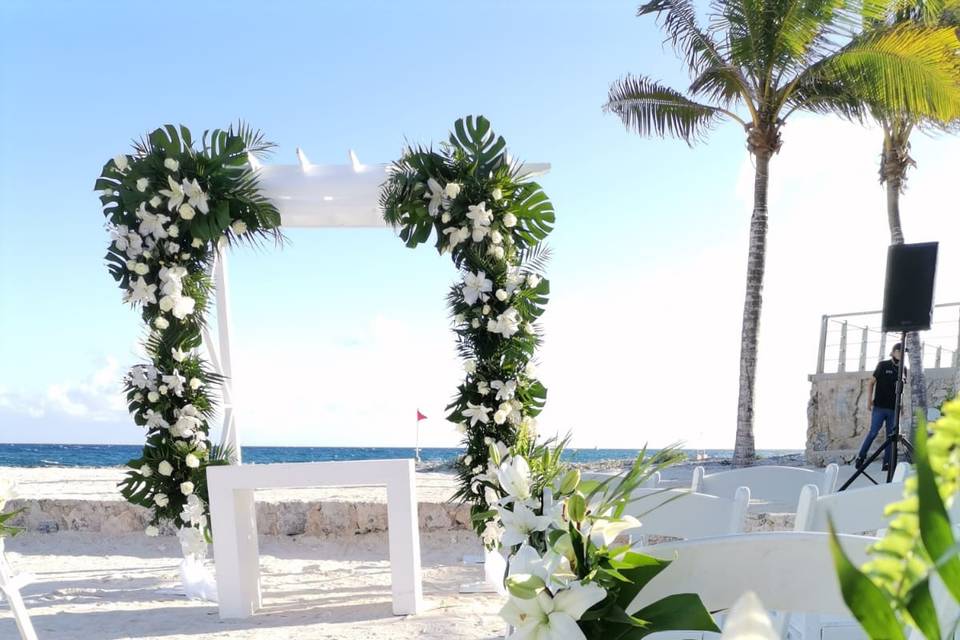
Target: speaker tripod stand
(894,439)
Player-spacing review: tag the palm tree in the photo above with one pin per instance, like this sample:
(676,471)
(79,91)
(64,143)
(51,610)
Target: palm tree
(895,157)
(769,59)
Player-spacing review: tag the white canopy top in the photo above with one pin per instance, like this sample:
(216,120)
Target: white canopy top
(334,195)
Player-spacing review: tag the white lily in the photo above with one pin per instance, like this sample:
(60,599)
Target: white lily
(479,214)
(179,354)
(140,291)
(476,286)
(196,196)
(553,568)
(506,324)
(192,511)
(155,420)
(479,233)
(175,382)
(174,194)
(476,413)
(457,235)
(435,195)
(520,523)
(152,224)
(547,617)
(603,532)
(514,477)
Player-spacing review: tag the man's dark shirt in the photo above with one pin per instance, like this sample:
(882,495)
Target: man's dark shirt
(885,392)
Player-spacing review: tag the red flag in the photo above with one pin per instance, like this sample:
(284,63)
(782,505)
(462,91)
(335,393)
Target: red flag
(420,416)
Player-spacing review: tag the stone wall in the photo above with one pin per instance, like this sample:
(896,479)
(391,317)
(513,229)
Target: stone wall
(837,416)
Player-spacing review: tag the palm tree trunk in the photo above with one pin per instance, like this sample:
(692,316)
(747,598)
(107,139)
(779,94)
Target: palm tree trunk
(896,159)
(744,451)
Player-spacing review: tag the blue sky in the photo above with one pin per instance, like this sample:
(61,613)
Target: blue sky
(342,334)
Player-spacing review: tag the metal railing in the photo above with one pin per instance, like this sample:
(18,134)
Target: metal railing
(854,341)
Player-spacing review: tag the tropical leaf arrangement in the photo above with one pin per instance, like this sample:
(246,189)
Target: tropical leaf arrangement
(570,574)
(913,577)
(491,220)
(170,206)
(8,491)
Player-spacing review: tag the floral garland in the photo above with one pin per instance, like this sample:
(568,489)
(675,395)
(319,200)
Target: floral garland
(169,209)
(491,220)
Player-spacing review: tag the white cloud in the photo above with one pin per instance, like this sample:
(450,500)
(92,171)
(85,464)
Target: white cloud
(97,398)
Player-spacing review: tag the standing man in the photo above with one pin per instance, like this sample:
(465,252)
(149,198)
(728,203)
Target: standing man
(881,398)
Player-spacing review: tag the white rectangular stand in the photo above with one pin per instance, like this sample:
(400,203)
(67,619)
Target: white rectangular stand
(10,586)
(234,521)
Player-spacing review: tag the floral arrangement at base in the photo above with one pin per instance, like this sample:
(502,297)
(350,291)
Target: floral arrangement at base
(169,208)
(570,573)
(490,219)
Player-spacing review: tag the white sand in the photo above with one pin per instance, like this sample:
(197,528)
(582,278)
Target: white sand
(92,587)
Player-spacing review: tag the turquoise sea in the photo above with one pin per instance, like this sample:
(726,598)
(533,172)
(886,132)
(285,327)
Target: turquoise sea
(109,455)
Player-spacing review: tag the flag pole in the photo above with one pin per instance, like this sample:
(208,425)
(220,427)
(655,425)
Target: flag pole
(417,439)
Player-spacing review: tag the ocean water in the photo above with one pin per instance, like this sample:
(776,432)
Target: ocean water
(113,455)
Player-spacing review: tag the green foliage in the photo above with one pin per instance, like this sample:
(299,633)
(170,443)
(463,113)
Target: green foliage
(481,209)
(171,206)
(5,529)
(919,552)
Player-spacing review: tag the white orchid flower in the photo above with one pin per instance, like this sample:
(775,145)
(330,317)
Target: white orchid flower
(174,194)
(155,420)
(507,323)
(196,196)
(140,291)
(552,617)
(514,476)
(520,523)
(483,388)
(476,413)
(479,214)
(435,195)
(178,354)
(603,532)
(183,306)
(456,235)
(476,286)
(505,390)
(152,225)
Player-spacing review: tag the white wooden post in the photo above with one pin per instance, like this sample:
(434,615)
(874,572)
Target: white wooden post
(883,346)
(842,365)
(404,540)
(864,337)
(10,586)
(936,361)
(822,352)
(228,438)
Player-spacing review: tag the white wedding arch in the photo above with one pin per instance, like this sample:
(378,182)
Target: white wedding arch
(308,196)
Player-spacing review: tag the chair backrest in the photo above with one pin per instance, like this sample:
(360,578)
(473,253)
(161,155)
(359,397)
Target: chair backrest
(778,488)
(789,571)
(852,511)
(678,513)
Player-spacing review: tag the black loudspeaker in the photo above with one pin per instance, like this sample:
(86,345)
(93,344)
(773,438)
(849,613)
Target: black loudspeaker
(908,292)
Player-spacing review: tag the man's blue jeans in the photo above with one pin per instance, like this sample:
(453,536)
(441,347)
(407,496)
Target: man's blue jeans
(880,416)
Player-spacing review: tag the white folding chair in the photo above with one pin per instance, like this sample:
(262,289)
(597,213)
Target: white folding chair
(678,513)
(789,571)
(10,586)
(773,488)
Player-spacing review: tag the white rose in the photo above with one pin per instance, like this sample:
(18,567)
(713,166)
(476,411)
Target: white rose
(186,488)
(152,531)
(445,218)
(141,269)
(475,323)
(161,323)
(192,461)
(142,184)
(186,211)
(509,220)
(495,237)
(171,164)
(161,499)
(452,190)
(138,396)
(163,389)
(153,396)
(459,318)
(131,264)
(500,417)
(528,327)
(165,468)
(239,227)
(173,231)
(122,163)
(468,460)
(166,303)
(497,194)
(496,251)
(530,370)
(146,471)
(155,201)
(470,366)
(195,383)
(201,446)
(502,295)
(485,310)
(184,256)
(197,243)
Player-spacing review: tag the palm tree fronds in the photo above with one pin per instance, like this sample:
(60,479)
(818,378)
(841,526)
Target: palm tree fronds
(907,70)
(679,21)
(719,83)
(652,109)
